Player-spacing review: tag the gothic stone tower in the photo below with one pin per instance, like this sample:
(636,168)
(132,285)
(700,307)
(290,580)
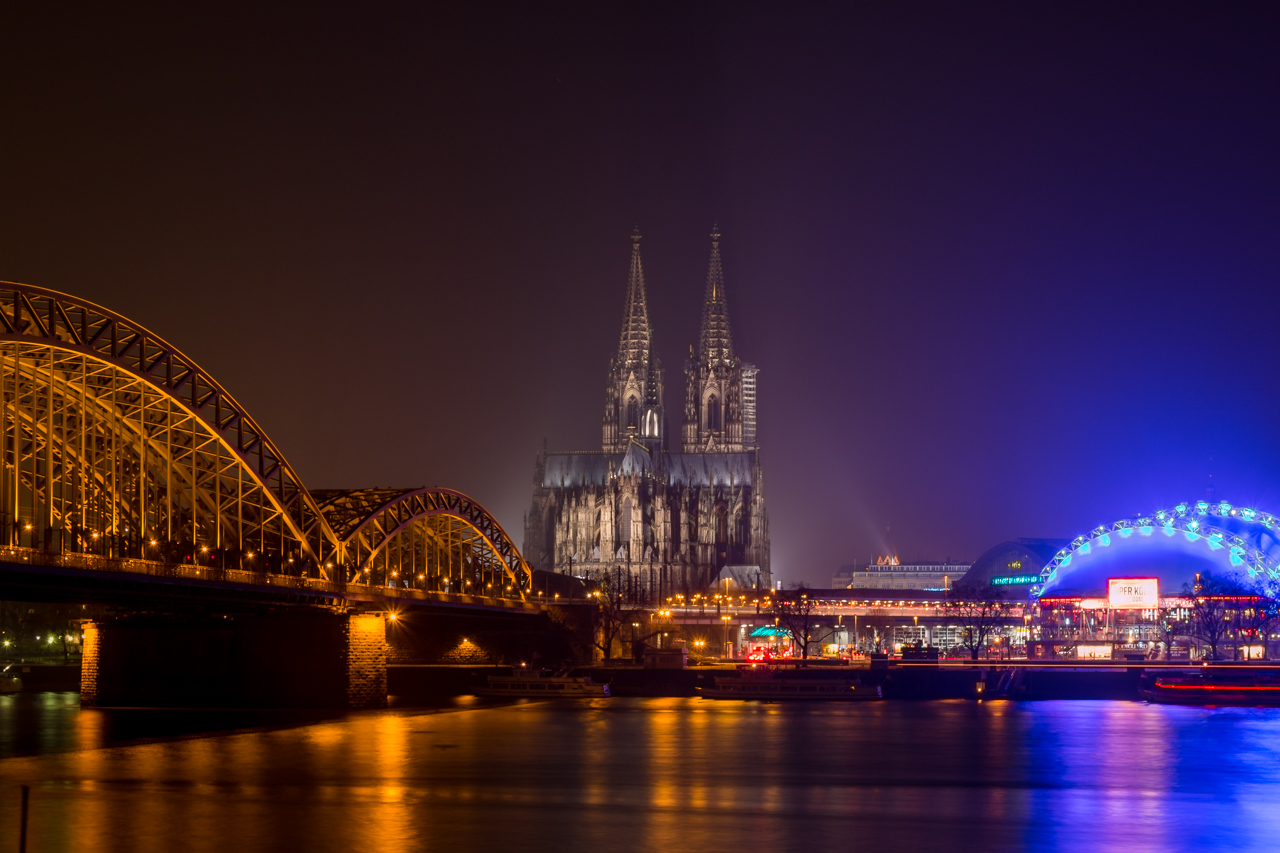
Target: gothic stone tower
(720,390)
(661,523)
(633,394)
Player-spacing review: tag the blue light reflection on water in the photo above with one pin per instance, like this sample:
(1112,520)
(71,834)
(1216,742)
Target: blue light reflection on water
(1136,776)
(672,774)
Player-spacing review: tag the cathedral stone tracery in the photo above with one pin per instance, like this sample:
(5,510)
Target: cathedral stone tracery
(669,523)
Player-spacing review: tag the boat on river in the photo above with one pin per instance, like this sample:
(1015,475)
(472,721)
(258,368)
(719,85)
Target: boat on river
(772,684)
(535,686)
(1212,687)
(9,683)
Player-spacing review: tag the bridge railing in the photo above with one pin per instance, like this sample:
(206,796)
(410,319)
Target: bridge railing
(185,571)
(154,568)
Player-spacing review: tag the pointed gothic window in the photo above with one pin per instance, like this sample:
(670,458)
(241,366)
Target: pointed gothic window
(650,423)
(624,526)
(632,412)
(713,413)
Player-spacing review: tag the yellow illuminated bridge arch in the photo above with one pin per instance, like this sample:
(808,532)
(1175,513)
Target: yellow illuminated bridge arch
(116,448)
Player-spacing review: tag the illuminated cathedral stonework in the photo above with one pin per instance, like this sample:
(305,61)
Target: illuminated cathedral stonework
(662,522)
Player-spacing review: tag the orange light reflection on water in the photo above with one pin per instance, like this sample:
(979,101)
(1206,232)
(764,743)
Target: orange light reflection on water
(670,774)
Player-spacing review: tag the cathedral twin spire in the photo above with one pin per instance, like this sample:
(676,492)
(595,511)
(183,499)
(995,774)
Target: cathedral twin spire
(633,396)
(637,336)
(714,412)
(716,343)
(720,391)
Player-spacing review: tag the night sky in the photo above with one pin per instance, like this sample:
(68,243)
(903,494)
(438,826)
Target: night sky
(1006,270)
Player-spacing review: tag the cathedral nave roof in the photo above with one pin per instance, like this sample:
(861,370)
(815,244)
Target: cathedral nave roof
(676,469)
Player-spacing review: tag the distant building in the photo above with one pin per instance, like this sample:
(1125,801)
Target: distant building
(926,577)
(1014,566)
(669,522)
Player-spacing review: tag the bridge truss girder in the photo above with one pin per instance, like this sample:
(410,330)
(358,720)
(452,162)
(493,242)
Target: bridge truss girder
(113,442)
(34,315)
(97,460)
(428,538)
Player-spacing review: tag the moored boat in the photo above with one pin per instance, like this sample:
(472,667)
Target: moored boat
(1212,687)
(771,684)
(532,685)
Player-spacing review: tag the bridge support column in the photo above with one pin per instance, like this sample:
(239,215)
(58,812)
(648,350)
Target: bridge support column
(366,660)
(90,652)
(313,660)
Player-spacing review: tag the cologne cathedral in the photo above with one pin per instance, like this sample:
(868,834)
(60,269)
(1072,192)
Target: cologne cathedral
(661,521)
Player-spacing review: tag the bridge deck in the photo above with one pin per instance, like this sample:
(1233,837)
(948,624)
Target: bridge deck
(33,574)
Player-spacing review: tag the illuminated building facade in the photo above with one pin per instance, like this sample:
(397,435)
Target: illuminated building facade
(665,521)
(1129,588)
(925,577)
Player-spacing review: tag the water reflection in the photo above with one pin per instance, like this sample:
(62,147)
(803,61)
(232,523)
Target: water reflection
(670,774)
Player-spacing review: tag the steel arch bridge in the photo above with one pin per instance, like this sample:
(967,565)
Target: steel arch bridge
(116,445)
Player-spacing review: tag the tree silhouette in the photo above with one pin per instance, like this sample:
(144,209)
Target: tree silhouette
(979,608)
(795,612)
(1257,617)
(1214,605)
(613,612)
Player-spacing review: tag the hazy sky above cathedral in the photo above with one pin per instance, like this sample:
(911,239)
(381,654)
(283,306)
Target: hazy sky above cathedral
(1006,270)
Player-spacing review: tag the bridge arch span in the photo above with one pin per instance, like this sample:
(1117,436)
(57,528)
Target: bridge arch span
(400,534)
(113,442)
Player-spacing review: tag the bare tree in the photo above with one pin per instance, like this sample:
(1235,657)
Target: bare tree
(614,612)
(1215,603)
(1171,628)
(1257,615)
(795,612)
(980,608)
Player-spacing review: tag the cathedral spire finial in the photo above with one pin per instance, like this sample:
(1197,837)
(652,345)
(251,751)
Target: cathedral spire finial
(716,343)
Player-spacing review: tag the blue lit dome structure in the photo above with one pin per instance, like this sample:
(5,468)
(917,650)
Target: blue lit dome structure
(1226,541)
(1013,565)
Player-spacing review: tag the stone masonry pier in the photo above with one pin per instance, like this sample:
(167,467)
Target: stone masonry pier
(287,660)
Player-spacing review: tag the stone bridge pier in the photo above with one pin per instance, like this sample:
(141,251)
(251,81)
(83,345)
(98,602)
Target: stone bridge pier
(275,660)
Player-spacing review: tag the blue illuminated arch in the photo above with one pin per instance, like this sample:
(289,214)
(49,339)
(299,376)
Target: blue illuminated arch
(1237,538)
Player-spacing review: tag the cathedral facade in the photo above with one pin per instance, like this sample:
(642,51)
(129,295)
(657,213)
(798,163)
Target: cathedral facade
(661,521)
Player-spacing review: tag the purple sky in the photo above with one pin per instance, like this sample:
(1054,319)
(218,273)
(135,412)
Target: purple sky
(1006,270)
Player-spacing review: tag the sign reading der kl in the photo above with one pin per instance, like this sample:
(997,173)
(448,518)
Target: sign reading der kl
(1133,593)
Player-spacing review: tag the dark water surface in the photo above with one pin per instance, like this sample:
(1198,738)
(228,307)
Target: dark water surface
(651,774)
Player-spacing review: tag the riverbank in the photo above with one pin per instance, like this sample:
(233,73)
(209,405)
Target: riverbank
(433,682)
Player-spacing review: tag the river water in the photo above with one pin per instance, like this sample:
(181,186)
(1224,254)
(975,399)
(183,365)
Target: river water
(645,774)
